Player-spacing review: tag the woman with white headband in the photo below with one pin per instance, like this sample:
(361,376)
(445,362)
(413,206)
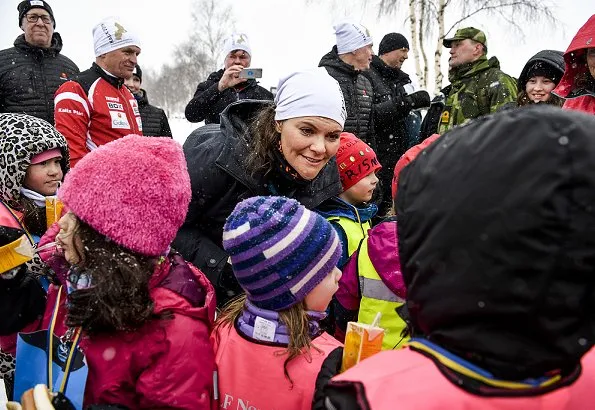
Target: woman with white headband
(286,152)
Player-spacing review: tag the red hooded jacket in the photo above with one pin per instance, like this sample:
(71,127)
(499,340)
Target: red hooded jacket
(166,364)
(578,98)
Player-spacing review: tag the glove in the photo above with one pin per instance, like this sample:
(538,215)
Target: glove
(419,99)
(329,369)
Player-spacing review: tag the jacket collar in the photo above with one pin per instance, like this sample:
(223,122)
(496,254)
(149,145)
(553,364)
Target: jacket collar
(142,98)
(115,81)
(172,272)
(482,382)
(469,70)
(54,48)
(338,207)
(234,122)
(332,59)
(390,72)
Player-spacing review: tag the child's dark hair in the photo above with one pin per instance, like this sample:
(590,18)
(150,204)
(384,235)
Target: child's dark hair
(523,99)
(119,298)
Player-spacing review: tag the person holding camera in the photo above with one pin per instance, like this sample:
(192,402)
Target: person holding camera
(226,85)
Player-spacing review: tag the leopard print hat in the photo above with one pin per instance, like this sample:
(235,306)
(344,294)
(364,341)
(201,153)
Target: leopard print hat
(21,138)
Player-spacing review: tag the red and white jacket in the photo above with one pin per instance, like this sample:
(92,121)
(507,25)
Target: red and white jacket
(94,109)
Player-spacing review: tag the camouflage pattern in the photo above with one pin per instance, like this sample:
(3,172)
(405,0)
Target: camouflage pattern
(470,33)
(476,89)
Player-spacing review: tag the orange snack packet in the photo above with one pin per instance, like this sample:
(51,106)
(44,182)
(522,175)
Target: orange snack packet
(361,342)
(53,209)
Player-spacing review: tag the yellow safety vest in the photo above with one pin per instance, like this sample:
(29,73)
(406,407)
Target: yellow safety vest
(377,297)
(355,231)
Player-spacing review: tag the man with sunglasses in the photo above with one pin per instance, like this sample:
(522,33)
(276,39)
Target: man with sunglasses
(32,70)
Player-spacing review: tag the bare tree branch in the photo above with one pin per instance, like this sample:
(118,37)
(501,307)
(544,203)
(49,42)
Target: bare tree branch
(536,9)
(442,4)
(432,16)
(413,27)
(420,32)
(195,58)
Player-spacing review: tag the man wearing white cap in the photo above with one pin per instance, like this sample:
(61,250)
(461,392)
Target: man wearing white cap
(96,107)
(345,62)
(226,86)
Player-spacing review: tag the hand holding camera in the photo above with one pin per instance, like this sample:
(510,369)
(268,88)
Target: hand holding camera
(237,74)
(231,77)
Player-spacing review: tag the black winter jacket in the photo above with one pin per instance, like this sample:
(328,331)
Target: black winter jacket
(208,102)
(29,77)
(391,108)
(358,93)
(154,120)
(215,155)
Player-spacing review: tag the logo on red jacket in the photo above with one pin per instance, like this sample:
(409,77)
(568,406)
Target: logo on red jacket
(119,120)
(134,105)
(115,106)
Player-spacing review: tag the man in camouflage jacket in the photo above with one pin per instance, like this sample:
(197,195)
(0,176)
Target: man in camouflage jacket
(478,87)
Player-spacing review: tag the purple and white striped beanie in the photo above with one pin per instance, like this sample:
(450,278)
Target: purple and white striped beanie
(279,250)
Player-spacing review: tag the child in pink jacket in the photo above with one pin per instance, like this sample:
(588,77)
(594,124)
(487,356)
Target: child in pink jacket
(130,319)
(268,344)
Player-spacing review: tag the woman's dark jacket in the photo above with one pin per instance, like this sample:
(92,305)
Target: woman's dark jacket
(219,180)
(155,123)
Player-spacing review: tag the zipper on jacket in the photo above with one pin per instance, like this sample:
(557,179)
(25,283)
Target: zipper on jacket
(45,90)
(355,106)
(134,128)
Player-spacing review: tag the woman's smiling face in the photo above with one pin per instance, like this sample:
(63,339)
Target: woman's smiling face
(308,143)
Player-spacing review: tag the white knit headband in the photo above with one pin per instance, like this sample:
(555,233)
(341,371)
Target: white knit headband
(310,93)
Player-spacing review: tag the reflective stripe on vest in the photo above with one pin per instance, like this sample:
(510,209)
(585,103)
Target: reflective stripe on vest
(354,231)
(377,297)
